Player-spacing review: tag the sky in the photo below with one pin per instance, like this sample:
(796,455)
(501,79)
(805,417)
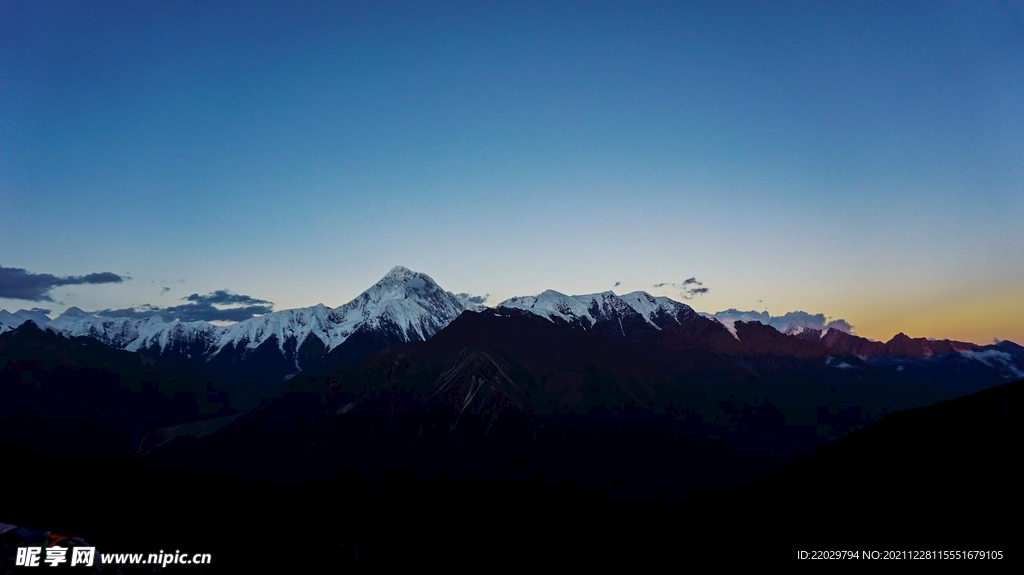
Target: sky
(863,160)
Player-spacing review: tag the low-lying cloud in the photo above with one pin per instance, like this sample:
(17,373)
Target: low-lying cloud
(477,299)
(17,283)
(785,321)
(991,357)
(224,297)
(209,307)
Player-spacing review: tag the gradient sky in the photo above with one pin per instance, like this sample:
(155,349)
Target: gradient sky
(864,160)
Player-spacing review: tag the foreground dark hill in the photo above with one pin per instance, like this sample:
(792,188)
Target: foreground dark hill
(946,476)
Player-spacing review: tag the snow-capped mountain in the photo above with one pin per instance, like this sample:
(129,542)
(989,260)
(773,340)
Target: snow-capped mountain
(590,310)
(9,321)
(132,334)
(403,306)
(627,315)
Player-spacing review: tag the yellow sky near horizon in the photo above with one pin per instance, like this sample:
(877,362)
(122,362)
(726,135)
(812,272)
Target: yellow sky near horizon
(979,318)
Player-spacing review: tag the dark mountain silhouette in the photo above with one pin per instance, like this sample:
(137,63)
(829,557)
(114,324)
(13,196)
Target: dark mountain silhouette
(759,339)
(78,396)
(901,346)
(946,476)
(943,477)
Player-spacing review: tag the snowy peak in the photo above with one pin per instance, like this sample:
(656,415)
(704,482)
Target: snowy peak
(604,308)
(638,316)
(552,304)
(398,273)
(9,321)
(404,305)
(72,317)
(73,313)
(654,307)
(400,283)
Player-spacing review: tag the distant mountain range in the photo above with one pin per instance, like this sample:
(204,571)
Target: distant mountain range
(407,306)
(403,306)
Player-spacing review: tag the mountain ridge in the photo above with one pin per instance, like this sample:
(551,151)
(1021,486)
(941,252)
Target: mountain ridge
(405,306)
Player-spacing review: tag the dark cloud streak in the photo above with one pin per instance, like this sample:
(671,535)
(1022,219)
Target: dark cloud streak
(689,289)
(202,308)
(224,297)
(17,283)
(189,312)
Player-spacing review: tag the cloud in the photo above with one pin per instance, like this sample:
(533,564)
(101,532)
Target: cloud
(477,299)
(224,297)
(988,356)
(40,310)
(689,289)
(785,321)
(202,308)
(189,312)
(16,283)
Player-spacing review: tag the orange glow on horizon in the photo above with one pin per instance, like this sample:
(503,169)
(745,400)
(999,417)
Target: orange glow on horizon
(977,320)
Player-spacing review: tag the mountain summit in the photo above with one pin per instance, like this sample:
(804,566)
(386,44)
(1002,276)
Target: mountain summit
(631,315)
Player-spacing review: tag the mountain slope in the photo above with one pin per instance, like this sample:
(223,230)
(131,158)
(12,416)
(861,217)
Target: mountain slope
(77,396)
(941,475)
(637,316)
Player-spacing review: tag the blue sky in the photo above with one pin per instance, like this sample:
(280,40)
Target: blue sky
(862,160)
